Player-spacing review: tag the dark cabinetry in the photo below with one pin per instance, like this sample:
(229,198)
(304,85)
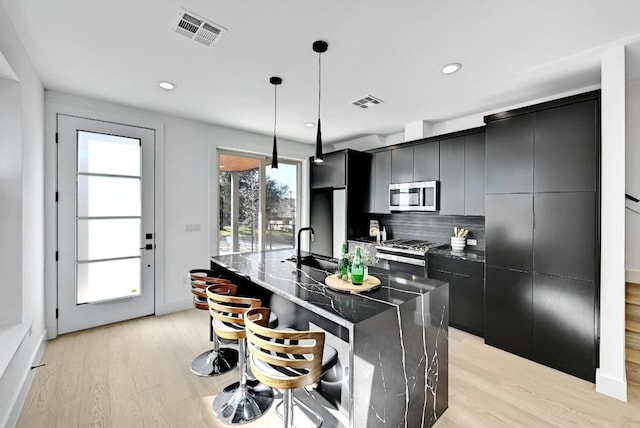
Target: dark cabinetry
(566,340)
(402,165)
(565,151)
(542,234)
(508,227)
(349,171)
(419,162)
(426,161)
(509,152)
(379,182)
(474,174)
(508,303)
(462,171)
(565,234)
(320,220)
(458,162)
(452,176)
(331,172)
(466,290)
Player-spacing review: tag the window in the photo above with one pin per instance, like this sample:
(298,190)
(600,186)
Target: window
(250,190)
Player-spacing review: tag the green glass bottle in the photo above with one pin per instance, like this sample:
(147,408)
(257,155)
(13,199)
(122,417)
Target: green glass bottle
(357,268)
(344,263)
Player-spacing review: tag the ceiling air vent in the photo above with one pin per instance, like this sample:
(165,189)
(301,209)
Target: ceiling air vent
(366,102)
(199,29)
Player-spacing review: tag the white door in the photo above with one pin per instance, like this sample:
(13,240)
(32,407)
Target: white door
(105,223)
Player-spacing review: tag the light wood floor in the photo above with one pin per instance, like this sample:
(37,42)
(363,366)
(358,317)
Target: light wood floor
(136,374)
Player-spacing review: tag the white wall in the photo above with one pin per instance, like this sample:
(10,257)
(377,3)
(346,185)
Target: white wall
(186,183)
(27,201)
(610,375)
(10,203)
(632,256)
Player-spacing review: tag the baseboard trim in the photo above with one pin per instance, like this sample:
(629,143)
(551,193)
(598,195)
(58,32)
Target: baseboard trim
(27,379)
(177,306)
(632,276)
(612,387)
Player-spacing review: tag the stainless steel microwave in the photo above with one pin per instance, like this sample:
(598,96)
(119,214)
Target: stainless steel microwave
(416,196)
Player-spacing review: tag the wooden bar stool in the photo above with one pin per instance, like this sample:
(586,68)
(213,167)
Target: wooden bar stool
(219,359)
(286,359)
(246,400)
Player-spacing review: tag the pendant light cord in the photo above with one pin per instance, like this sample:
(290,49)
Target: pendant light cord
(319,80)
(275,108)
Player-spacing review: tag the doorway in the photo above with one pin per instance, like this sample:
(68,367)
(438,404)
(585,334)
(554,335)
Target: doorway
(106,236)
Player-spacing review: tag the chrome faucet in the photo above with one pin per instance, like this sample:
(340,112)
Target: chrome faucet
(313,238)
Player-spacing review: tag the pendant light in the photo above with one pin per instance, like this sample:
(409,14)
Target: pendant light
(319,46)
(275,81)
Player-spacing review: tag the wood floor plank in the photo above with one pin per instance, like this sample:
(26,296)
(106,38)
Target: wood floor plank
(633,293)
(633,372)
(136,374)
(633,355)
(632,325)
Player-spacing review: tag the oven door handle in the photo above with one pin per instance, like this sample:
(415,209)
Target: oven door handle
(401,259)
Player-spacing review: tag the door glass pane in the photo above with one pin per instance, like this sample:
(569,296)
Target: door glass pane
(108,280)
(108,185)
(281,206)
(239,204)
(108,154)
(100,196)
(108,238)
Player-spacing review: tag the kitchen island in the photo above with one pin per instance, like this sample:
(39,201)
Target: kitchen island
(392,342)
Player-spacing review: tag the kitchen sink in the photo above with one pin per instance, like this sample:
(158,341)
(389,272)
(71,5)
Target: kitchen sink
(317,262)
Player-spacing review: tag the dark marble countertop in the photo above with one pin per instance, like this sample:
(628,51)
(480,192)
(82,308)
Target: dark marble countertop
(466,254)
(306,287)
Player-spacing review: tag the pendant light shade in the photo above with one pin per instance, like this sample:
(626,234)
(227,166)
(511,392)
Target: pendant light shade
(319,46)
(275,81)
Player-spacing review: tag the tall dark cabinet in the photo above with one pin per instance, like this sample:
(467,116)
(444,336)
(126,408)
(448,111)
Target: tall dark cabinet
(339,196)
(542,233)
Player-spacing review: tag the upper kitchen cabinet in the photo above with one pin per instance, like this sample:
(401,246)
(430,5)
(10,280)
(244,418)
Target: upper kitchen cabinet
(474,172)
(426,161)
(462,170)
(402,165)
(452,176)
(379,182)
(565,148)
(331,172)
(509,155)
(420,162)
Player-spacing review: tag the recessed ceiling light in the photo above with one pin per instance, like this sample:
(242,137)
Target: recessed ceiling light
(310,124)
(167,85)
(451,68)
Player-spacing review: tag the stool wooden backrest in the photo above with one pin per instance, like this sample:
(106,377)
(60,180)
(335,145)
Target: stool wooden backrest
(200,280)
(300,351)
(229,309)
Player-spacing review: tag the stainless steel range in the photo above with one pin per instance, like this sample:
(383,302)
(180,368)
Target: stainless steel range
(408,255)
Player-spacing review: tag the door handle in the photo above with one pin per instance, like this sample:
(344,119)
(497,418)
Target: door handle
(147,247)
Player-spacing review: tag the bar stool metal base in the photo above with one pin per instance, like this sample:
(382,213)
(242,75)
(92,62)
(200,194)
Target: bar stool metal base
(212,363)
(235,405)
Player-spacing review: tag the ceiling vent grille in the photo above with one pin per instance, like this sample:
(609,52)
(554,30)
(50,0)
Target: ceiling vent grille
(199,29)
(366,102)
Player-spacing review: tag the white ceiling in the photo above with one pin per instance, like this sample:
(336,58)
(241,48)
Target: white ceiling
(511,51)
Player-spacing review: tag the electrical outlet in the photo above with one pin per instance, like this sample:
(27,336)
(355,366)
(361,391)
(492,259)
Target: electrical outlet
(193,228)
(472,242)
